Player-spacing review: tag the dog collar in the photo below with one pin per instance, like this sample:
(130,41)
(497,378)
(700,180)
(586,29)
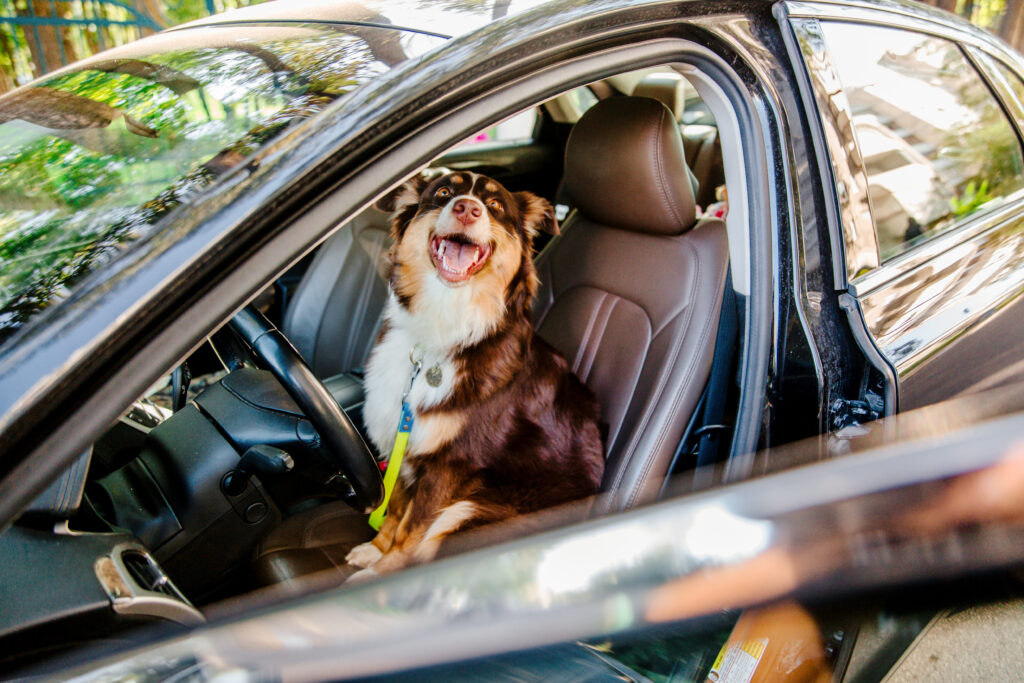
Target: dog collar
(401,443)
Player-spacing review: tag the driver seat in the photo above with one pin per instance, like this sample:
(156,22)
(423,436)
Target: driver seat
(631,293)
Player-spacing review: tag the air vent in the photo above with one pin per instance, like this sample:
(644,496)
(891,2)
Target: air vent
(138,586)
(147,574)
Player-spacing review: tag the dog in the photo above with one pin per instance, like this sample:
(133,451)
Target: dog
(501,426)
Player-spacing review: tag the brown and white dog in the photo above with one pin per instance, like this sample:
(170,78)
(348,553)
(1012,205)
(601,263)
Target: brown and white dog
(502,427)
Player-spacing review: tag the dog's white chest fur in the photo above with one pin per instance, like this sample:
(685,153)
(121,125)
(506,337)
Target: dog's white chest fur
(387,378)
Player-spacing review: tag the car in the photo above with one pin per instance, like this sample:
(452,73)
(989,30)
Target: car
(191,284)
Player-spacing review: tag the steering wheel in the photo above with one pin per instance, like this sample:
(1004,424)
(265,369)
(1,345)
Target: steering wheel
(273,350)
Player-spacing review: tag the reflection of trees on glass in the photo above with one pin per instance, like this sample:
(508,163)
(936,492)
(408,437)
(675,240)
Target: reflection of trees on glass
(498,8)
(39,36)
(89,159)
(936,145)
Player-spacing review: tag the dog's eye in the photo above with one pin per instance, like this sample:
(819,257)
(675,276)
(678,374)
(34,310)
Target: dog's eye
(494,205)
(444,193)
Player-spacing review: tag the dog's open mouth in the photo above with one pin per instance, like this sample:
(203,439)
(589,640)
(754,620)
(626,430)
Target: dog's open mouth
(457,258)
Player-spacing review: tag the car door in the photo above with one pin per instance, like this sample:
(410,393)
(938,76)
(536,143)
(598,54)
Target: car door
(929,173)
(838,567)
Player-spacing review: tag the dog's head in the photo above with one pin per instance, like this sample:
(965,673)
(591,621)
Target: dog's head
(464,239)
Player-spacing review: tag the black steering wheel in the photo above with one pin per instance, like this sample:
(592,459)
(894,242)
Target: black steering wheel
(273,350)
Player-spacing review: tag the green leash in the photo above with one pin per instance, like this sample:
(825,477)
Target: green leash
(398,450)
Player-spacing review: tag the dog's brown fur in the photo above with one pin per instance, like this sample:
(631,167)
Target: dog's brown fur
(514,431)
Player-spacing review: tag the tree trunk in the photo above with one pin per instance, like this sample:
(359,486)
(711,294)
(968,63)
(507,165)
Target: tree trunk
(45,42)
(6,79)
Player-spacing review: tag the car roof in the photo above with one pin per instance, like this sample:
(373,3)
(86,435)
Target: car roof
(448,19)
(441,18)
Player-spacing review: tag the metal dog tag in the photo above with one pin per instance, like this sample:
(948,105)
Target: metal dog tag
(434,376)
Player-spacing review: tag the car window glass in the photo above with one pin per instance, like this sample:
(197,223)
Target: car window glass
(936,145)
(518,128)
(582,100)
(1013,79)
(1008,76)
(90,157)
(570,106)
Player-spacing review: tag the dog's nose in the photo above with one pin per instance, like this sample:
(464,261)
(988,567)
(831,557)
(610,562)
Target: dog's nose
(466,211)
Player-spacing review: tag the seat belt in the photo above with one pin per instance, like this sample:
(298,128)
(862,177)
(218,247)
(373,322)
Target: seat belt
(719,382)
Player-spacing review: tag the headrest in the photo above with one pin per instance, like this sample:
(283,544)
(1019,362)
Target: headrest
(667,89)
(624,167)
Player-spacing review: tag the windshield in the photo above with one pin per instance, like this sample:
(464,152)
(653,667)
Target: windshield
(90,157)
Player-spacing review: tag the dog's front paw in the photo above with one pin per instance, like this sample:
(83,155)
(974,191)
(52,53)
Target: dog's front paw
(362,575)
(363,555)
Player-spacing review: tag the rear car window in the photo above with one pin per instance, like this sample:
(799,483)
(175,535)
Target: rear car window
(937,147)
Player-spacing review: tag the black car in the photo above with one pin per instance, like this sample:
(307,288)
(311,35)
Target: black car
(191,285)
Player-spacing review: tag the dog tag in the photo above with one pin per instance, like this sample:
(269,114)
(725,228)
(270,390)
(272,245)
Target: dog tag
(434,376)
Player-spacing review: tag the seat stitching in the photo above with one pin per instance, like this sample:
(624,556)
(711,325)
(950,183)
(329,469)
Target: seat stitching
(581,351)
(314,361)
(362,302)
(328,557)
(359,309)
(677,397)
(662,185)
(676,349)
(604,314)
(311,529)
(687,310)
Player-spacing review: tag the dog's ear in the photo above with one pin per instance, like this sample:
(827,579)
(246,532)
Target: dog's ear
(537,213)
(406,194)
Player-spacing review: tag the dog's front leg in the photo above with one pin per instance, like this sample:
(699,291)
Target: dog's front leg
(419,544)
(363,555)
(367,554)
(381,554)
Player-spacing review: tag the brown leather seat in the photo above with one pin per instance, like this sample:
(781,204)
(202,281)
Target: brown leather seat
(631,292)
(632,289)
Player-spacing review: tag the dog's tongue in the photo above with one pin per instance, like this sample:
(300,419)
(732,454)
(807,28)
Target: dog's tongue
(460,256)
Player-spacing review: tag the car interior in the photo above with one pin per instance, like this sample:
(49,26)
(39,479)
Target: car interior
(195,524)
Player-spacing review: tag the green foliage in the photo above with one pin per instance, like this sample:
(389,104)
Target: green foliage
(124,147)
(984,13)
(82,28)
(972,198)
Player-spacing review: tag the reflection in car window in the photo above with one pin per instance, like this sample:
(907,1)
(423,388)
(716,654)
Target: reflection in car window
(1008,75)
(935,144)
(90,157)
(518,128)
